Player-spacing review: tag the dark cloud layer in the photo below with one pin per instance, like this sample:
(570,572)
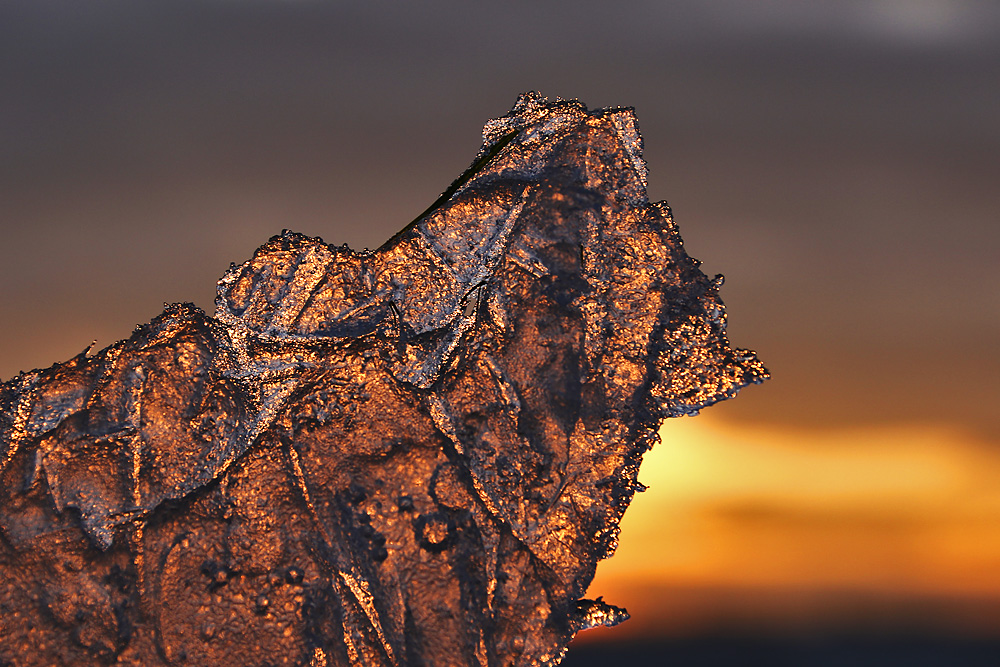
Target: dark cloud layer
(837,160)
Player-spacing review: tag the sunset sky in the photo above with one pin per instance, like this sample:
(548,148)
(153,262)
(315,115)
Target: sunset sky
(838,161)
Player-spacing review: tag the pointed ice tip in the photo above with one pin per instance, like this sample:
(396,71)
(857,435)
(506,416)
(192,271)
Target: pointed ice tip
(528,100)
(597,613)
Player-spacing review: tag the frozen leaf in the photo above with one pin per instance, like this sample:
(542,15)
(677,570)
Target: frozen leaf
(411,456)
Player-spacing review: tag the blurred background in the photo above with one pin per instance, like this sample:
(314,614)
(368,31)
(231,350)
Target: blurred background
(837,160)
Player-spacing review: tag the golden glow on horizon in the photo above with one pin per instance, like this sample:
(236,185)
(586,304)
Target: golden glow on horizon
(906,510)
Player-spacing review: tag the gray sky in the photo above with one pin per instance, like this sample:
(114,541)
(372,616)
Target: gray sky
(838,161)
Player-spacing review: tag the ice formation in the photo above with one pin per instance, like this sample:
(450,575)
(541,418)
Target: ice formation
(408,456)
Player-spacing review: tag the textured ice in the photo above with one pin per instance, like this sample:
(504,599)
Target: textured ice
(410,456)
